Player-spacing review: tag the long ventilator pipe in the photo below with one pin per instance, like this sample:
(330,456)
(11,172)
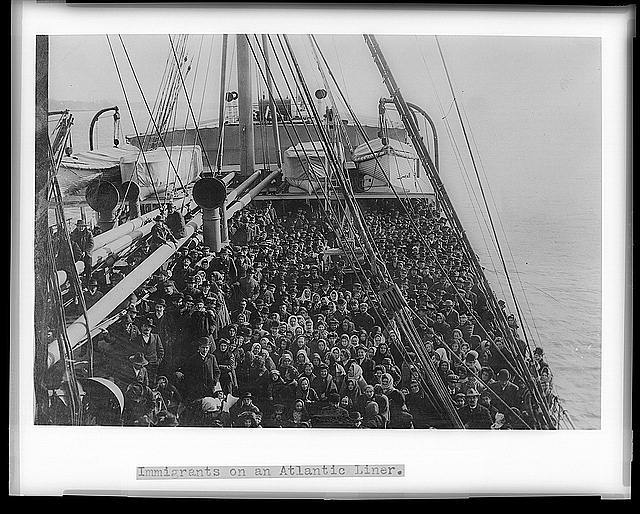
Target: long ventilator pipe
(77,331)
(250,195)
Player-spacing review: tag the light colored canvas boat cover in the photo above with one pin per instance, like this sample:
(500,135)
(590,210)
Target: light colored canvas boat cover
(304,166)
(154,168)
(375,148)
(98,160)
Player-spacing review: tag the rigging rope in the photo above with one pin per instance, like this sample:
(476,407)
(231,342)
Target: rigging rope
(189,105)
(349,250)
(380,267)
(144,99)
(133,121)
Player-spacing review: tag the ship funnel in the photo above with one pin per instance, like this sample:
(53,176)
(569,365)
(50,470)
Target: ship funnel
(209,193)
(103,197)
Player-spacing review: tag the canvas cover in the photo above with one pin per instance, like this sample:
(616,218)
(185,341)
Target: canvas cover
(304,165)
(154,168)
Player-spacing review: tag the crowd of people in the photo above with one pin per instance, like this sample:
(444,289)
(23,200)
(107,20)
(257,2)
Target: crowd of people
(276,331)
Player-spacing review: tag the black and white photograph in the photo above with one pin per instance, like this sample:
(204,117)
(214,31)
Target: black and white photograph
(351,233)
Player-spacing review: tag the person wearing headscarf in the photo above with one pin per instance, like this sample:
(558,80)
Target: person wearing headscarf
(345,359)
(309,371)
(299,417)
(335,369)
(268,361)
(301,344)
(288,371)
(381,353)
(392,369)
(383,402)
(301,360)
(395,397)
(321,348)
(471,361)
(323,384)
(444,369)
(351,390)
(355,372)
(305,393)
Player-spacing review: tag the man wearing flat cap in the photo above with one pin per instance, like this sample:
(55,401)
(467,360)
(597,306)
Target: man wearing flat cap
(451,316)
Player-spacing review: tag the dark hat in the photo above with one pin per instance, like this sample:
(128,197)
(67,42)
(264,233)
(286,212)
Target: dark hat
(139,359)
(452,377)
(247,395)
(148,321)
(161,302)
(504,374)
(93,282)
(81,223)
(202,341)
(538,351)
(157,218)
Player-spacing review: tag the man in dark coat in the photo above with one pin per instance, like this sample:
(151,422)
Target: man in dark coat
(160,234)
(92,295)
(362,319)
(506,390)
(151,347)
(200,372)
(451,315)
(473,415)
(82,246)
(201,323)
(175,221)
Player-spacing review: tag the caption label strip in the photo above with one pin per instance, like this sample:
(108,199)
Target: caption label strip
(295,471)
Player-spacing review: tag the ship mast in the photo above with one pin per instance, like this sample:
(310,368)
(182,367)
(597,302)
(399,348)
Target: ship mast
(245,108)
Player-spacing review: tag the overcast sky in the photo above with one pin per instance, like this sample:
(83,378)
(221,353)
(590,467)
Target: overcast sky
(533,103)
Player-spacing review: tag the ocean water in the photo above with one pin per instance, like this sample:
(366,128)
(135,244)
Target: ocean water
(551,240)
